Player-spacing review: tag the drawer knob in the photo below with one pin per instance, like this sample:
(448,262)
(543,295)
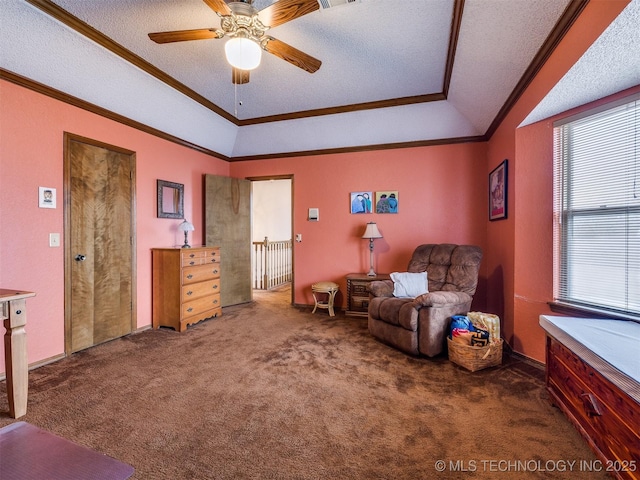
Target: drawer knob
(190,309)
(192,255)
(215,286)
(189,292)
(215,271)
(215,301)
(189,276)
(192,262)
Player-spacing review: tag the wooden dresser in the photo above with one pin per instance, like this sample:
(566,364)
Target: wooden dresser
(358,293)
(186,286)
(600,401)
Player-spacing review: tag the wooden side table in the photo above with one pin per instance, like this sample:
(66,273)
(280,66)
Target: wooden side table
(358,292)
(13,311)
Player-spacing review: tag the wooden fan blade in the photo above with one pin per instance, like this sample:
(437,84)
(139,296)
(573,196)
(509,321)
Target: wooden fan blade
(184,35)
(286,10)
(238,77)
(218,6)
(291,54)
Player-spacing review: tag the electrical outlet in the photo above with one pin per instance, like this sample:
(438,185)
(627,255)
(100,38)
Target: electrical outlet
(54,239)
(298,237)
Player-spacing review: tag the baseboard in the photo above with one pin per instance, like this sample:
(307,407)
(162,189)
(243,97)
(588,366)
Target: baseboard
(38,364)
(523,358)
(55,358)
(310,306)
(141,329)
(302,305)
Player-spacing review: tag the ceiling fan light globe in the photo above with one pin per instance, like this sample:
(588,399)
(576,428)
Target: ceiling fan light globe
(243,53)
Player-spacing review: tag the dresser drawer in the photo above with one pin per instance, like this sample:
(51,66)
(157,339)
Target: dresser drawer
(212,255)
(360,289)
(608,417)
(623,405)
(200,257)
(360,304)
(192,257)
(196,290)
(200,273)
(199,305)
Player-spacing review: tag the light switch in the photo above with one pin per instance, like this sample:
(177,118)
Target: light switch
(54,239)
(314,214)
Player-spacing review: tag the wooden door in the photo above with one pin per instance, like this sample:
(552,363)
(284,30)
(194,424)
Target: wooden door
(228,225)
(100,243)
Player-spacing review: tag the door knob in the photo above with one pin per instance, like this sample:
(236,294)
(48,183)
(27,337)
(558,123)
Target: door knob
(80,258)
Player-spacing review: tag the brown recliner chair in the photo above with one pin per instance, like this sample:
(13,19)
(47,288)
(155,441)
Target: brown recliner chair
(419,326)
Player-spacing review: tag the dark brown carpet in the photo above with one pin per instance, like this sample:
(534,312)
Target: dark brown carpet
(270,391)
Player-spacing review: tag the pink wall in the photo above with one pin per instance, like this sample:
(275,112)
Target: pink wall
(442,198)
(521,257)
(534,235)
(31,155)
(442,192)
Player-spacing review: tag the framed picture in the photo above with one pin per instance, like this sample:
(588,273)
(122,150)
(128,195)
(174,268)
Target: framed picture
(361,202)
(170,196)
(498,192)
(46,197)
(387,201)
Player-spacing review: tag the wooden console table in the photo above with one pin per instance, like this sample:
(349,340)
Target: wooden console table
(14,313)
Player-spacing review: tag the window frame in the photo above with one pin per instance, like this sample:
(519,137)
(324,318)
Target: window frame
(560,221)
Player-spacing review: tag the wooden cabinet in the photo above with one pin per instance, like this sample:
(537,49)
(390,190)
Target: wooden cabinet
(186,286)
(358,292)
(606,416)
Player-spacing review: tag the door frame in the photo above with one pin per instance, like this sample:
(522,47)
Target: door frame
(291,216)
(68,254)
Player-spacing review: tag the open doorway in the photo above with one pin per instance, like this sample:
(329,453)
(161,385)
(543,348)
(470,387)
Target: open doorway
(272,242)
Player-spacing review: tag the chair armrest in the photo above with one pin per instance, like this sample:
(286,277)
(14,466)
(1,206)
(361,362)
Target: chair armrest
(440,299)
(381,288)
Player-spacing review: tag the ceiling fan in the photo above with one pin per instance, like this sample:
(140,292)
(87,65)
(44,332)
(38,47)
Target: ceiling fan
(246,28)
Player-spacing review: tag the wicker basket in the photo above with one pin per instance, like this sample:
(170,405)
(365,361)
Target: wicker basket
(475,358)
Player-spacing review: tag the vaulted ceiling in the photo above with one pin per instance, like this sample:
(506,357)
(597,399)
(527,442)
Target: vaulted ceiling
(393,72)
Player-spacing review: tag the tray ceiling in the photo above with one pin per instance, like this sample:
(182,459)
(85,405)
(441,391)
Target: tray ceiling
(393,72)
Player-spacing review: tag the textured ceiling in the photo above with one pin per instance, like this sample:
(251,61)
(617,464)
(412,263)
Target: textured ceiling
(611,65)
(383,80)
(372,50)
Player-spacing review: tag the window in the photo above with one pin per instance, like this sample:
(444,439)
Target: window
(597,209)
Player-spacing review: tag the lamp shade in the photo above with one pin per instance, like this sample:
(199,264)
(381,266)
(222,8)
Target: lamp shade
(372,231)
(186,227)
(243,53)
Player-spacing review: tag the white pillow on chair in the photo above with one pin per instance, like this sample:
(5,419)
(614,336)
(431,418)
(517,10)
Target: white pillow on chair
(406,284)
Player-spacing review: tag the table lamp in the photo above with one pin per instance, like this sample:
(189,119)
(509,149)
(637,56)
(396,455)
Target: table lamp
(371,232)
(186,227)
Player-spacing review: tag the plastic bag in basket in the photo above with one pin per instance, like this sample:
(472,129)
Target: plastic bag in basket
(486,321)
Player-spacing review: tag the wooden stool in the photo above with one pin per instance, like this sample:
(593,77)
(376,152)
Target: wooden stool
(328,288)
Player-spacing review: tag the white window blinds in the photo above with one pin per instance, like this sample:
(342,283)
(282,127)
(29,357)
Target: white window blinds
(597,209)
